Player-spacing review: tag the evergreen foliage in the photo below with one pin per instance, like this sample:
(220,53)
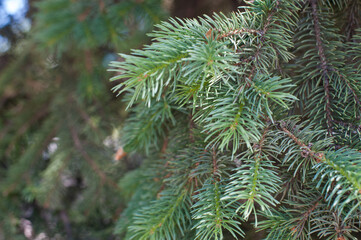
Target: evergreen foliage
(251,118)
(57,115)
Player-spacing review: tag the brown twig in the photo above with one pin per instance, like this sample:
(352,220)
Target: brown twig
(321,53)
(165,145)
(101,5)
(300,225)
(236,32)
(258,51)
(348,125)
(192,126)
(260,144)
(319,157)
(215,166)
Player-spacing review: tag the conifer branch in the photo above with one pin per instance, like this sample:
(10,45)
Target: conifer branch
(37,148)
(348,125)
(353,21)
(304,217)
(88,120)
(319,157)
(226,84)
(27,124)
(255,180)
(341,227)
(86,156)
(357,100)
(237,32)
(260,144)
(257,158)
(351,176)
(162,187)
(258,50)
(324,65)
(165,218)
(215,167)
(169,212)
(36,117)
(58,176)
(354,94)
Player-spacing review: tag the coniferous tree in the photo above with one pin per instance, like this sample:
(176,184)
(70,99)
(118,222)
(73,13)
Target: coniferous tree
(251,118)
(58,118)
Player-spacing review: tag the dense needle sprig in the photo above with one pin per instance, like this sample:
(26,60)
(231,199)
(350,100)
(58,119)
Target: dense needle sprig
(230,85)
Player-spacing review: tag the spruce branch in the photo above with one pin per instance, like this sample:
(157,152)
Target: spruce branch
(233,108)
(299,228)
(324,65)
(351,88)
(54,172)
(19,170)
(165,218)
(235,32)
(348,125)
(306,151)
(334,225)
(258,48)
(255,181)
(213,217)
(92,163)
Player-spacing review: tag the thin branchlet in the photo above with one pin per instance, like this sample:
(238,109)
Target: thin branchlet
(215,166)
(354,94)
(258,50)
(318,156)
(237,32)
(348,125)
(304,217)
(92,163)
(324,65)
